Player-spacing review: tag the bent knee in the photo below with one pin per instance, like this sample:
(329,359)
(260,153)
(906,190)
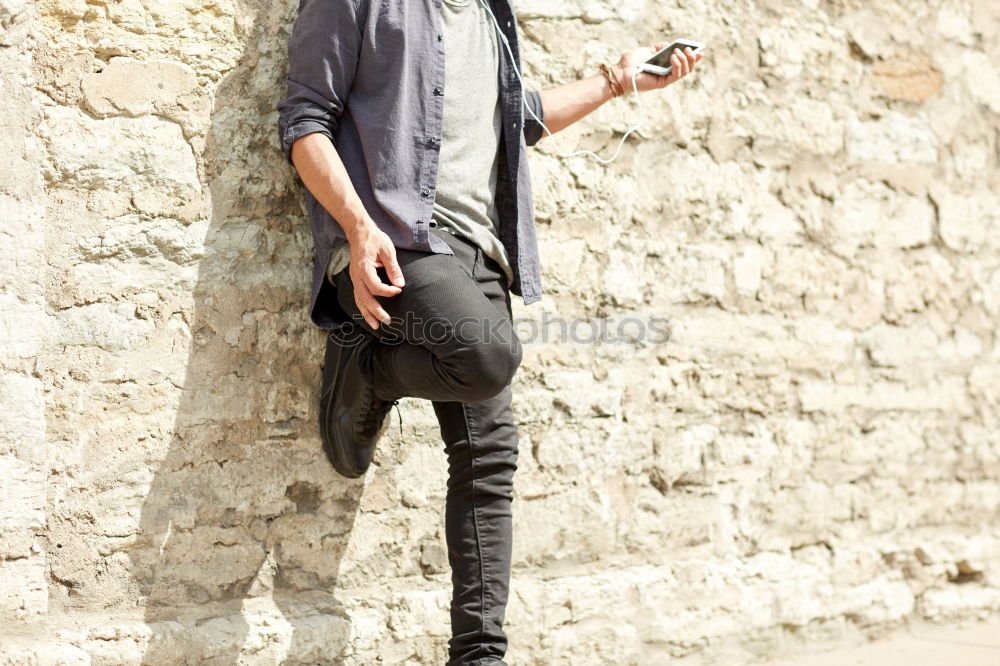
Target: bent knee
(490,367)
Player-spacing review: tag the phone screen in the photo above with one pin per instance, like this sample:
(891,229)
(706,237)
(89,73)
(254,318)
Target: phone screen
(662,59)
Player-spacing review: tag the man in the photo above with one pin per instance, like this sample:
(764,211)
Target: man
(406,123)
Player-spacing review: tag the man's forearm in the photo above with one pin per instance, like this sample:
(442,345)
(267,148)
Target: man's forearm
(323,173)
(566,104)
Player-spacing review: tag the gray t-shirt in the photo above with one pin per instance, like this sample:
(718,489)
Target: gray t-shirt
(465,200)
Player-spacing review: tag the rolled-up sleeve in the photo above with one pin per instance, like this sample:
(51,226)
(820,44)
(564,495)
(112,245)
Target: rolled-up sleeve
(533,128)
(322,57)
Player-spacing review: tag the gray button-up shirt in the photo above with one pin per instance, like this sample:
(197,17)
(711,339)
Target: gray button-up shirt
(370,76)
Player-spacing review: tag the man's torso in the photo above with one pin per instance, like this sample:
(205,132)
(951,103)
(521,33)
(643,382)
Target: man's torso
(465,197)
(384,62)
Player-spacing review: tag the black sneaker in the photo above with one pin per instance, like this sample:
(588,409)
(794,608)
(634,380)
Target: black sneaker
(351,416)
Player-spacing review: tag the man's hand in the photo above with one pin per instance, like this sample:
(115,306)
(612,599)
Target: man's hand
(371,249)
(682,65)
(323,173)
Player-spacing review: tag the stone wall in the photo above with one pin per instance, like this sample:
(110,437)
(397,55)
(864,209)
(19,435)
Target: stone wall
(812,457)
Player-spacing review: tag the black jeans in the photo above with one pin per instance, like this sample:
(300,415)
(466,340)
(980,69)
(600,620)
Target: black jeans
(452,341)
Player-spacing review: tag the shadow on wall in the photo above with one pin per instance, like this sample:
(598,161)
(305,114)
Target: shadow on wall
(245,524)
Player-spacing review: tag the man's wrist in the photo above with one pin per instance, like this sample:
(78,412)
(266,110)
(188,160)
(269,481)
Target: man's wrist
(612,82)
(358,228)
(619,73)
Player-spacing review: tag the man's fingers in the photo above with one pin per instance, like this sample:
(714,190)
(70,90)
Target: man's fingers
(675,66)
(369,318)
(375,284)
(692,59)
(366,303)
(360,301)
(392,268)
(370,308)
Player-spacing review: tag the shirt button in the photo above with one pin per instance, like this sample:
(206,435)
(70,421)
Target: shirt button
(432,141)
(425,192)
(440,37)
(438,90)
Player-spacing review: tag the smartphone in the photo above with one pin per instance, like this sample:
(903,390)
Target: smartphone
(659,62)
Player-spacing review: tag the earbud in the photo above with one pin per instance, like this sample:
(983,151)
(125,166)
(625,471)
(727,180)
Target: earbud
(524,100)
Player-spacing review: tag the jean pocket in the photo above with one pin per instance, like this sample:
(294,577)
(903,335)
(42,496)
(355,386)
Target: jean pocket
(477,264)
(489,268)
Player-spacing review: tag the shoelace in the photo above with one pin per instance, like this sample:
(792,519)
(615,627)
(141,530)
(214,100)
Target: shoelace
(372,421)
(399,415)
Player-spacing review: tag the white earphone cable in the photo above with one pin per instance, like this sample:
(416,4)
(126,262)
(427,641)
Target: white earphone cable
(524,100)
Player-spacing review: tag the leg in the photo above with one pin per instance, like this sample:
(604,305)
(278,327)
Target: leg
(467,373)
(448,341)
(481,443)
